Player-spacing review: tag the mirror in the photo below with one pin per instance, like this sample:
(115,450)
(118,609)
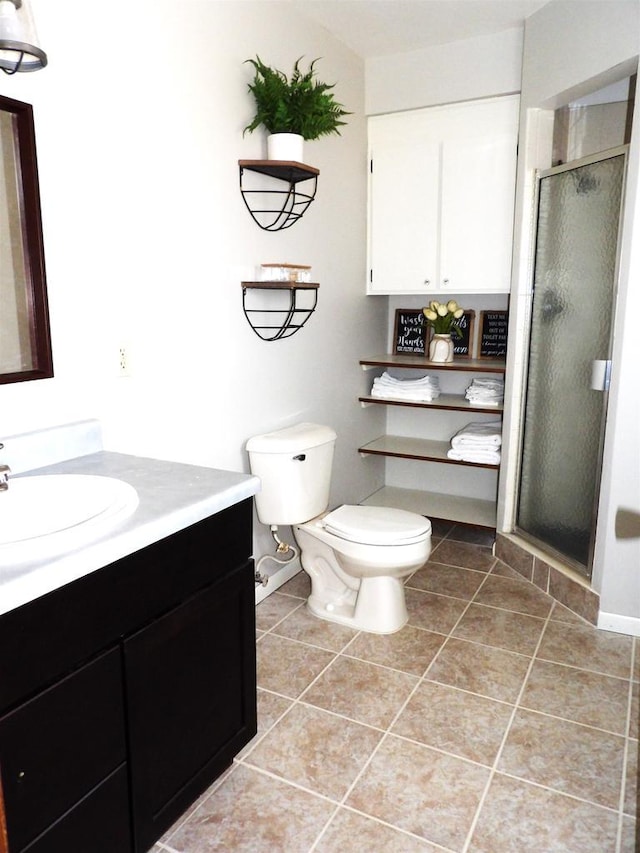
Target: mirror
(25,342)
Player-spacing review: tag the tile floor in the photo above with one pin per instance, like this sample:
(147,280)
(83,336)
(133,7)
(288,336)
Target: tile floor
(496,720)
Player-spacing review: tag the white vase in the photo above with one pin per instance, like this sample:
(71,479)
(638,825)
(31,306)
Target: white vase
(441,349)
(285,146)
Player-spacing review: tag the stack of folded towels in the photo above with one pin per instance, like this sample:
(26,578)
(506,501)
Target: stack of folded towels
(477,443)
(421,390)
(485,391)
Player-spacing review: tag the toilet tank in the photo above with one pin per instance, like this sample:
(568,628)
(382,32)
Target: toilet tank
(294,466)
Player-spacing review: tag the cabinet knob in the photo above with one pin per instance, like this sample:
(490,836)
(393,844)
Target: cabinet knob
(445,281)
(427,282)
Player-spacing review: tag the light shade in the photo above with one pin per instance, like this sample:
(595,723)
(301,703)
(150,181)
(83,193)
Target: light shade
(19,50)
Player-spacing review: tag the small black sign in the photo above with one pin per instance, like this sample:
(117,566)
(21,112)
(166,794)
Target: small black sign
(493,334)
(410,332)
(462,346)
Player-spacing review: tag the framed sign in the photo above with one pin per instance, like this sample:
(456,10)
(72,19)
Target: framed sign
(463,346)
(493,334)
(409,332)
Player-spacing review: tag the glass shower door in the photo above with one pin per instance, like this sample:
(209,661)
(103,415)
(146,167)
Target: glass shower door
(575,278)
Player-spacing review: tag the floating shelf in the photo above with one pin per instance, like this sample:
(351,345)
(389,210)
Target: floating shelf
(274,209)
(273,324)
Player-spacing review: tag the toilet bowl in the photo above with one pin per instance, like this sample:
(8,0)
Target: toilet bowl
(357,582)
(356,556)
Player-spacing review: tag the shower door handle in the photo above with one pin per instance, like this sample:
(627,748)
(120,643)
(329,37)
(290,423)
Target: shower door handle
(600,374)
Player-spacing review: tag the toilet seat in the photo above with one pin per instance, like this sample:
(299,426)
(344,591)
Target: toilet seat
(375,525)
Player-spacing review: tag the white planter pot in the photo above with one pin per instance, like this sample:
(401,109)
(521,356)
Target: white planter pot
(285,146)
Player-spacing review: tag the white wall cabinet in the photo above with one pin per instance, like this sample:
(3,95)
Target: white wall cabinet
(441,198)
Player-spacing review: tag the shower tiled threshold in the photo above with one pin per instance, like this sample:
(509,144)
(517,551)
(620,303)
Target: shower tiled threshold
(495,720)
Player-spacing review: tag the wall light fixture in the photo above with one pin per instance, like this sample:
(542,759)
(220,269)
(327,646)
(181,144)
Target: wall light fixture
(19,50)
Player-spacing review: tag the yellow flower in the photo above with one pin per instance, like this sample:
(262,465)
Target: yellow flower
(442,310)
(457,314)
(430,314)
(452,306)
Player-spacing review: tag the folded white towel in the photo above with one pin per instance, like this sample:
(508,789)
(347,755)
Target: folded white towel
(479,435)
(487,457)
(421,390)
(488,391)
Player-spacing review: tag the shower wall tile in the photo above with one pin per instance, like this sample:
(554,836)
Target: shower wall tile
(514,556)
(571,593)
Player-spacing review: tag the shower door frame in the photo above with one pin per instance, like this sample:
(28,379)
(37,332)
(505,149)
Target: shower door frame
(540,175)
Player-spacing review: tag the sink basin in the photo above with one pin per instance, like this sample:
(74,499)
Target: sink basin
(42,516)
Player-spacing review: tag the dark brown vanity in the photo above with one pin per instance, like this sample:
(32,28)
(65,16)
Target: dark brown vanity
(126,692)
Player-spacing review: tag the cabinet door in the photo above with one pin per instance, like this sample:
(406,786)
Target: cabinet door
(403,212)
(478,195)
(191,699)
(57,747)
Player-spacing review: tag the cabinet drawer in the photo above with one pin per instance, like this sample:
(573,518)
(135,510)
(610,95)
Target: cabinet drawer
(100,823)
(61,744)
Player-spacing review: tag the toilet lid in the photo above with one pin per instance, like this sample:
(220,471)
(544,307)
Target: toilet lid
(377,525)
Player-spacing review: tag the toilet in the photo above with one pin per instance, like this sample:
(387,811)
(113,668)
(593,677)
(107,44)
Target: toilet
(356,556)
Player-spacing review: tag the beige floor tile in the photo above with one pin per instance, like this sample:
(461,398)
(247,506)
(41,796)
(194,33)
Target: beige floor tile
(463,554)
(634,716)
(349,832)
(270,708)
(502,570)
(522,818)
(316,750)
(433,612)
(631,790)
(630,841)
(307,628)
(362,691)
(578,695)
(502,629)
(274,608)
(253,813)
(410,649)
(447,580)
(517,595)
(299,586)
(287,667)
(490,672)
(587,648)
(565,756)
(421,790)
(636,659)
(461,723)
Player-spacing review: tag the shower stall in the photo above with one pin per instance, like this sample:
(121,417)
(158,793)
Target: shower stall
(573,311)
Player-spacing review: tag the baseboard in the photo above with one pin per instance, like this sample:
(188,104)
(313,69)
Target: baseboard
(619,624)
(278,576)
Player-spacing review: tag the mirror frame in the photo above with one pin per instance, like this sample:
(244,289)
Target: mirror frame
(31,226)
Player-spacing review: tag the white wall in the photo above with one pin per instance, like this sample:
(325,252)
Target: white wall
(460,71)
(139,123)
(566,56)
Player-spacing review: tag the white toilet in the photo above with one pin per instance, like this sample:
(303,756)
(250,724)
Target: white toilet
(356,556)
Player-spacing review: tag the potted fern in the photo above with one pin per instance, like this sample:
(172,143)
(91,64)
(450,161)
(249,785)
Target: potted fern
(300,106)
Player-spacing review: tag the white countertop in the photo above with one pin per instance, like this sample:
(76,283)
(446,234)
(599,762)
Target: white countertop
(171,495)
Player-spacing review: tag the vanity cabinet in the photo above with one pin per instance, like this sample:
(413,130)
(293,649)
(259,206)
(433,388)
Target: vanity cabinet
(441,198)
(124,694)
(458,502)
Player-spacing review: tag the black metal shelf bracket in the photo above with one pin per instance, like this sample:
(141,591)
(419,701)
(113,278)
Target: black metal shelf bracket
(284,207)
(274,324)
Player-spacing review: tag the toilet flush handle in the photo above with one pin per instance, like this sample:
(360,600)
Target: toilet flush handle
(300,457)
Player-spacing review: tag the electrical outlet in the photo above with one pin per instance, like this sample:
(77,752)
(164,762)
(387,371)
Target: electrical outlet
(123,361)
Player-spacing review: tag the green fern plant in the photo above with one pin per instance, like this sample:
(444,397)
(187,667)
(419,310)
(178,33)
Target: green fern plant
(300,104)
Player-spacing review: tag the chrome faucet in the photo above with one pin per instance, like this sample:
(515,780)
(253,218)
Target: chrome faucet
(4,475)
